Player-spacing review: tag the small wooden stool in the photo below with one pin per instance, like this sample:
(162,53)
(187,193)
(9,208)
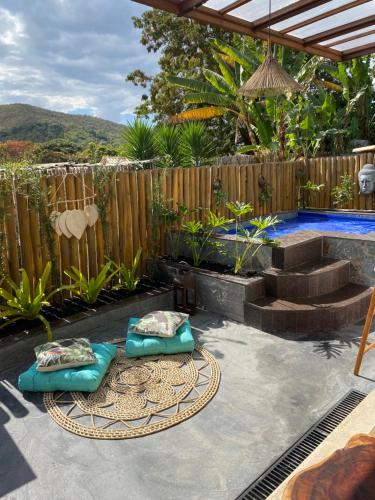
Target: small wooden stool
(363,348)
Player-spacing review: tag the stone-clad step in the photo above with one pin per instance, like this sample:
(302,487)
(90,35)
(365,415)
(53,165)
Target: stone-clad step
(307,280)
(325,313)
(297,249)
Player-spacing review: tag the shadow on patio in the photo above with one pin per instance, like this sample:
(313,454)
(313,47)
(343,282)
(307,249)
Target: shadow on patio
(11,458)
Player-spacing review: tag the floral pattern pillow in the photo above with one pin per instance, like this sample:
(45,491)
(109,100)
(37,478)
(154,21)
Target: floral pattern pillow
(67,353)
(160,323)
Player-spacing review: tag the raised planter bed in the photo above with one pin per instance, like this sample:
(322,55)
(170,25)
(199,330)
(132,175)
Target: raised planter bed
(222,293)
(17,345)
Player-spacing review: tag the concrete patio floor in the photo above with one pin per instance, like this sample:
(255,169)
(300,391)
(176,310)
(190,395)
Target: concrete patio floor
(272,390)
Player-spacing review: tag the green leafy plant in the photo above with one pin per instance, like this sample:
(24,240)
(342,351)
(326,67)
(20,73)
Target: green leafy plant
(221,196)
(26,301)
(199,236)
(265,193)
(128,278)
(167,140)
(343,193)
(238,209)
(305,191)
(196,148)
(173,220)
(139,141)
(88,289)
(248,243)
(254,240)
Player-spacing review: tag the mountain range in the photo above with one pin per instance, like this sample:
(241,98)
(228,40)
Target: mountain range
(31,123)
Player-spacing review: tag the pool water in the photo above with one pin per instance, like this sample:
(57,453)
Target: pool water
(320,222)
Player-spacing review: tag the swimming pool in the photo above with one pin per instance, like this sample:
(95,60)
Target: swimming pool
(312,221)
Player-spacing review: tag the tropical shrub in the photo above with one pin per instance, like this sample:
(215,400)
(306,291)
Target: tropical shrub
(342,194)
(199,236)
(174,220)
(167,138)
(305,191)
(196,148)
(253,239)
(186,145)
(139,141)
(26,301)
(88,289)
(128,277)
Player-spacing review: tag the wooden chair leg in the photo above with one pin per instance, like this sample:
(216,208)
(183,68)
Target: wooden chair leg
(365,333)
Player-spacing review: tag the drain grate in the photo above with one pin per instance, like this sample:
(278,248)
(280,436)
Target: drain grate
(296,454)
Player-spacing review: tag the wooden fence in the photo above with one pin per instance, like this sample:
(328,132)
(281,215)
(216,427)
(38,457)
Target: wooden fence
(328,171)
(125,200)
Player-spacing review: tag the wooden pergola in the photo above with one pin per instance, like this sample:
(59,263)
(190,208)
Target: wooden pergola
(336,29)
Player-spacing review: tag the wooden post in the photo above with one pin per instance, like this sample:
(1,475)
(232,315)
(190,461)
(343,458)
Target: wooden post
(366,330)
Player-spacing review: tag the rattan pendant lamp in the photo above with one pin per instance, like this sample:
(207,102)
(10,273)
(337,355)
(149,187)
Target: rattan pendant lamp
(270,79)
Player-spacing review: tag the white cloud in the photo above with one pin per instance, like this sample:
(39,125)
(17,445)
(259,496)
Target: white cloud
(12,29)
(68,55)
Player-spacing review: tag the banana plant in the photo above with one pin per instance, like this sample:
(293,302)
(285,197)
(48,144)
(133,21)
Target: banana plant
(88,289)
(219,93)
(26,301)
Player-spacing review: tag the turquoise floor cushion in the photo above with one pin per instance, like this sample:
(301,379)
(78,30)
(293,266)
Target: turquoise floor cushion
(141,345)
(84,378)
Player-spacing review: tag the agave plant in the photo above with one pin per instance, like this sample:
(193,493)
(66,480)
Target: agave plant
(88,289)
(128,277)
(26,301)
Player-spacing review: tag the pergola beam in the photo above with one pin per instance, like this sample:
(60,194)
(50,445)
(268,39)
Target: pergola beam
(188,5)
(233,5)
(363,50)
(329,13)
(194,9)
(287,12)
(350,38)
(231,23)
(340,30)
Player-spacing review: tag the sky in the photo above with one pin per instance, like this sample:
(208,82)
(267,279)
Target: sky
(72,56)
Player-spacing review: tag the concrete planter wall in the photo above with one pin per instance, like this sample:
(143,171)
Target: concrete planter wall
(17,349)
(221,293)
(261,261)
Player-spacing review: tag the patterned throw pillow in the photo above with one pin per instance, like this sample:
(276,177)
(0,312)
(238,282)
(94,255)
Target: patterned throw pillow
(160,323)
(67,353)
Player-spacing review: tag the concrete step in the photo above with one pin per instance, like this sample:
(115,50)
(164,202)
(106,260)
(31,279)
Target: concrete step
(307,280)
(325,313)
(295,250)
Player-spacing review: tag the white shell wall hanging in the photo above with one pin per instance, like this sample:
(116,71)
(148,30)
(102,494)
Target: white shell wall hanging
(92,214)
(74,222)
(61,221)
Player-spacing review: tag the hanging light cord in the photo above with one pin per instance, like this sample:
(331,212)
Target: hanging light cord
(269,29)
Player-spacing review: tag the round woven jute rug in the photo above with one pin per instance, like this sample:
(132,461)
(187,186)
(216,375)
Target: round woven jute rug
(139,396)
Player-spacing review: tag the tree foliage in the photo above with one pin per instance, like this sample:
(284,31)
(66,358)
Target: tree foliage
(202,68)
(184,50)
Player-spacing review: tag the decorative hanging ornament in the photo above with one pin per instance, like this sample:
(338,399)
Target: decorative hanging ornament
(270,79)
